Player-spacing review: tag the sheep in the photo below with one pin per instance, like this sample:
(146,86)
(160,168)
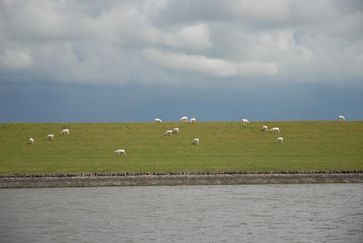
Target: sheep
(168,133)
(195,141)
(176,130)
(157,120)
(31,141)
(192,120)
(50,136)
(244,121)
(184,119)
(120,152)
(341,118)
(275,129)
(280,140)
(264,128)
(65,132)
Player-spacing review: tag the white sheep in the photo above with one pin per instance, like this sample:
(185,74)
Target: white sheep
(157,120)
(65,131)
(168,133)
(264,128)
(31,141)
(275,129)
(50,136)
(244,121)
(120,152)
(195,141)
(176,130)
(184,119)
(341,118)
(280,140)
(192,120)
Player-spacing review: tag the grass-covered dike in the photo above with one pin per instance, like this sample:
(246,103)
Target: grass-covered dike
(313,146)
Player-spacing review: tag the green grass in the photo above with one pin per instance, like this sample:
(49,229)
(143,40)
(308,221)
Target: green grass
(224,146)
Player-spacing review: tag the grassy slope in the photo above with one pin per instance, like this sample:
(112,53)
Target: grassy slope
(225,146)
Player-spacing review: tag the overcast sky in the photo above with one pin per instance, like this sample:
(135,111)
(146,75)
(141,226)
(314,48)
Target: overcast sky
(136,60)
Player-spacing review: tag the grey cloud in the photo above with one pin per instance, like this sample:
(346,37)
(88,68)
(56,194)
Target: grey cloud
(16,60)
(209,66)
(156,42)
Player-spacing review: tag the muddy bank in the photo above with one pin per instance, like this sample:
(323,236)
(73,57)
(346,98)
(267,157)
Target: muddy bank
(173,180)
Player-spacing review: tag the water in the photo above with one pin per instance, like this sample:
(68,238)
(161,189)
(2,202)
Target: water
(246,213)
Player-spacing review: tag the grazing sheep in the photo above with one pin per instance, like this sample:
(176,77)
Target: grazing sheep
(195,141)
(65,132)
(244,121)
(157,120)
(168,133)
(192,120)
(275,129)
(31,141)
(50,136)
(176,130)
(120,152)
(184,119)
(341,118)
(280,140)
(264,128)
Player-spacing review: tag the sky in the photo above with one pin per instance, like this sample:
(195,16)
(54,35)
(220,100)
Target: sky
(124,61)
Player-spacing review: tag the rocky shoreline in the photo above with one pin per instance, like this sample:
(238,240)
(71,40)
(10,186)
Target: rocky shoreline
(176,180)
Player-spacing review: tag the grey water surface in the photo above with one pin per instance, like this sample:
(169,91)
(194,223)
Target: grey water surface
(238,213)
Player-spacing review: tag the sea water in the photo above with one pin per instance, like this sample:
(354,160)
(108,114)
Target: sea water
(238,213)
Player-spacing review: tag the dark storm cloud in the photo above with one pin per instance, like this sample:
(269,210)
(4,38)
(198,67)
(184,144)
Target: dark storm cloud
(135,59)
